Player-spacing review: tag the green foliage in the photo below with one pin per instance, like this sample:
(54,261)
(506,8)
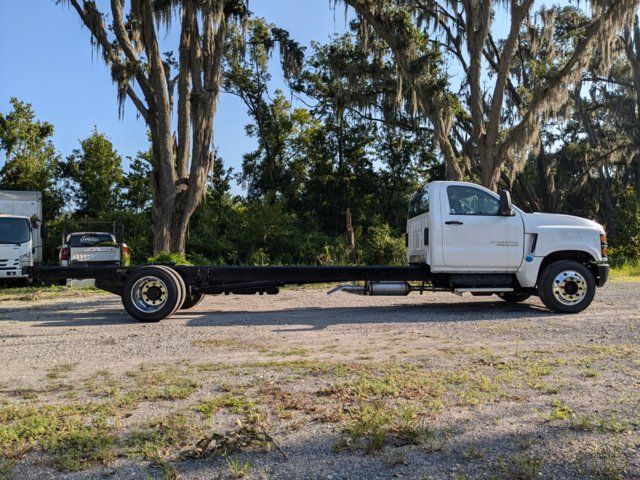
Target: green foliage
(93,176)
(169,258)
(31,159)
(383,248)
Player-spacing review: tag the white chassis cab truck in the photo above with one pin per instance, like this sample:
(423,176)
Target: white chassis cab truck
(461,238)
(465,230)
(20,233)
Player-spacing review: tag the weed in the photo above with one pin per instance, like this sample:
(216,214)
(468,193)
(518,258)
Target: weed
(522,466)
(591,373)
(60,371)
(61,431)
(228,343)
(291,352)
(237,468)
(6,469)
(236,404)
(560,411)
(369,422)
(592,423)
(473,453)
(83,446)
(157,438)
(393,457)
(167,469)
(603,462)
(170,384)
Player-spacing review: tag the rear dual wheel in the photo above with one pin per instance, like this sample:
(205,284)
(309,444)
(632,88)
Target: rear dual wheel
(153,293)
(191,301)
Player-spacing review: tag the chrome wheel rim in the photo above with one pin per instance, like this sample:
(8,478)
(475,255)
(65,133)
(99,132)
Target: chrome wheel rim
(570,287)
(149,294)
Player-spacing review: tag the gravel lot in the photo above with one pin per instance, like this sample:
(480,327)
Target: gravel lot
(347,387)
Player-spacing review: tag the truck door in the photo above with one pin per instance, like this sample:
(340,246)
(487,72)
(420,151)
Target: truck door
(418,227)
(474,235)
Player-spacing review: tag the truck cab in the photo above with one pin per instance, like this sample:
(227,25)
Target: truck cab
(16,247)
(460,228)
(21,233)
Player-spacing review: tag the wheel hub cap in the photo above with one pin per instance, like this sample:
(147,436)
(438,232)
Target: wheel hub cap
(570,287)
(149,294)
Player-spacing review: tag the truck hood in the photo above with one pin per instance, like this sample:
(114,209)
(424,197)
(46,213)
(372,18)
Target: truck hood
(534,221)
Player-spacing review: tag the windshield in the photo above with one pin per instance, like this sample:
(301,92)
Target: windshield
(92,240)
(14,230)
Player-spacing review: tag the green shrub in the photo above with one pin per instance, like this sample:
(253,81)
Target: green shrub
(169,258)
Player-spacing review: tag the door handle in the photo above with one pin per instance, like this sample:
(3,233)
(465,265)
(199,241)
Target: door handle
(453,222)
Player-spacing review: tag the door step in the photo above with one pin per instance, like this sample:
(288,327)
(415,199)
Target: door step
(488,291)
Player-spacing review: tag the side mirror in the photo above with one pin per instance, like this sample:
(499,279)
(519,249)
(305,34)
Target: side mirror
(506,208)
(44,231)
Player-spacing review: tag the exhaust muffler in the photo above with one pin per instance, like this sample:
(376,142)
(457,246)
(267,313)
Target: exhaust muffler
(376,289)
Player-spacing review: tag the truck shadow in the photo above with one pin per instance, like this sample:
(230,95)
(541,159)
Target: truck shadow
(108,311)
(95,312)
(318,318)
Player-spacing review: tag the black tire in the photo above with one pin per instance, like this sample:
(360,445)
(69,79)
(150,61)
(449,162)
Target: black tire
(566,287)
(180,282)
(192,300)
(135,301)
(514,297)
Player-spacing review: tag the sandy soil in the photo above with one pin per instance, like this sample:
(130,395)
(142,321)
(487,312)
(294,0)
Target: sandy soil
(539,395)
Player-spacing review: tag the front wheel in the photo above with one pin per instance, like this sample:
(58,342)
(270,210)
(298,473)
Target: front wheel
(566,287)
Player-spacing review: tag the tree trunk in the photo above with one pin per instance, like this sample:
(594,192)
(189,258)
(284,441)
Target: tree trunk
(180,164)
(351,236)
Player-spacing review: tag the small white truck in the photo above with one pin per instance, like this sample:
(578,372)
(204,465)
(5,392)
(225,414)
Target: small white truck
(461,238)
(21,233)
(92,248)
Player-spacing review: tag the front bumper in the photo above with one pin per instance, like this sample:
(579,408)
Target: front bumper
(603,274)
(13,273)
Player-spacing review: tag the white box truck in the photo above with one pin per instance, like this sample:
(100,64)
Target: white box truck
(21,229)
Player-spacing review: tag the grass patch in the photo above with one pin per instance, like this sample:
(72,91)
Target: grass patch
(169,384)
(238,468)
(559,411)
(236,404)
(603,462)
(41,293)
(522,466)
(158,439)
(60,371)
(372,425)
(592,423)
(6,469)
(64,432)
(626,272)
(228,343)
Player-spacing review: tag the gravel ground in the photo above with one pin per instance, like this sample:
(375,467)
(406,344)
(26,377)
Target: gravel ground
(437,386)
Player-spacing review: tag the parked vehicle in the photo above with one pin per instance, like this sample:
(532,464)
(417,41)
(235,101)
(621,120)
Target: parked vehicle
(462,238)
(92,248)
(21,233)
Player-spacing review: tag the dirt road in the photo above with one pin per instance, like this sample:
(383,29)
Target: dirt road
(302,385)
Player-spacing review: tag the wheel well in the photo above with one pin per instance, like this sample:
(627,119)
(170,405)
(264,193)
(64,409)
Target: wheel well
(576,255)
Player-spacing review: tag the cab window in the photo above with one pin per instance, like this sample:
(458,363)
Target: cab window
(465,200)
(419,202)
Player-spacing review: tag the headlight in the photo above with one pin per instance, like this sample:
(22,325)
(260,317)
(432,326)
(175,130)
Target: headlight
(604,246)
(25,260)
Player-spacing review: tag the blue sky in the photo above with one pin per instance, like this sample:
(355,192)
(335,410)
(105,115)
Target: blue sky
(47,61)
